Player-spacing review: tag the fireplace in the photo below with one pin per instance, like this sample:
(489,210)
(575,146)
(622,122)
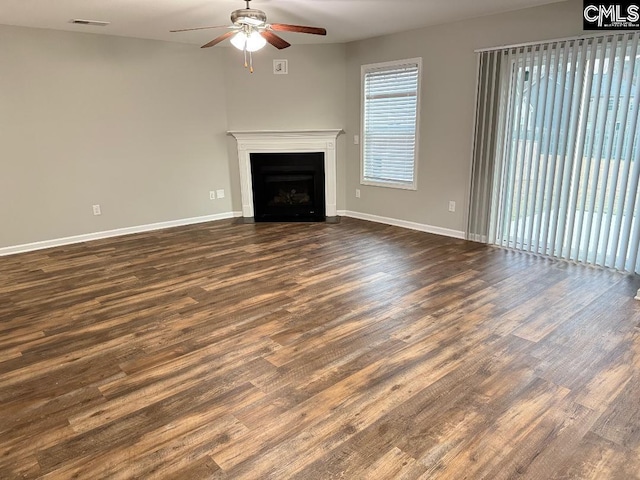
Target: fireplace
(288,186)
(291,141)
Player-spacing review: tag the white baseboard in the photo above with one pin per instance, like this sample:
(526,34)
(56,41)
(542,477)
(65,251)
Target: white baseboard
(403,223)
(57,242)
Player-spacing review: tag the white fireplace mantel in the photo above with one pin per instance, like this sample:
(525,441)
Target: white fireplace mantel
(289,141)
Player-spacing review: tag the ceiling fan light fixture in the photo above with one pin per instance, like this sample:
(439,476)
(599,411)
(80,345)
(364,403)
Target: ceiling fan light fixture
(250,32)
(255,41)
(250,42)
(239,40)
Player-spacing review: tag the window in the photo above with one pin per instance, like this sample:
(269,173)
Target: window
(390,106)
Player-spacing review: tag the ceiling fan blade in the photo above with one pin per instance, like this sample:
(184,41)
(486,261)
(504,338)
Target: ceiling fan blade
(219,39)
(275,40)
(197,28)
(282,27)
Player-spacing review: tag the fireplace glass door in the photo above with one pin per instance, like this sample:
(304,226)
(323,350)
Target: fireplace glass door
(288,186)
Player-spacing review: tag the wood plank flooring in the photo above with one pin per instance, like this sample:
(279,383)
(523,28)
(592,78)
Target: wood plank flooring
(314,351)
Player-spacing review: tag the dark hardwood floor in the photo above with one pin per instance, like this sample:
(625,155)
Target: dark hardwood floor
(314,351)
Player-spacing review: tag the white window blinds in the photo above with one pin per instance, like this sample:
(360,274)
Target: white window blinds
(390,123)
(557,152)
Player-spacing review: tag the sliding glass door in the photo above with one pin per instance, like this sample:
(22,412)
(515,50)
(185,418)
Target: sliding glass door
(558,163)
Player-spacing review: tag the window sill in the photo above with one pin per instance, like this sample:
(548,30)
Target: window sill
(399,186)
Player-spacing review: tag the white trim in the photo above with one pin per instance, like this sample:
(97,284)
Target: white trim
(59,242)
(364,69)
(447,232)
(401,186)
(87,237)
(637,297)
(320,132)
(265,141)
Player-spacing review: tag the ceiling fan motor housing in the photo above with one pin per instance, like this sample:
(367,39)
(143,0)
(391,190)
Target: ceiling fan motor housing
(248,16)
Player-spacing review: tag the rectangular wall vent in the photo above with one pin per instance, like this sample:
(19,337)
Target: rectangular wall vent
(95,23)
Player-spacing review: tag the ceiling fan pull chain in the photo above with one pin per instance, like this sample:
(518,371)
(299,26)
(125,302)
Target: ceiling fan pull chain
(250,62)
(245,57)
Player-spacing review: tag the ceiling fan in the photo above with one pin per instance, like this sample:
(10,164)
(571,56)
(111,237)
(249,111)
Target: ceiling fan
(250,32)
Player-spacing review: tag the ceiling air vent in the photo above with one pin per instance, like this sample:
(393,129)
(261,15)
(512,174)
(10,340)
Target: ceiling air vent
(94,23)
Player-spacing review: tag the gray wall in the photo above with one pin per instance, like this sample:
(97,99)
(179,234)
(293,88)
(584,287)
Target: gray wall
(139,126)
(135,126)
(311,96)
(447,106)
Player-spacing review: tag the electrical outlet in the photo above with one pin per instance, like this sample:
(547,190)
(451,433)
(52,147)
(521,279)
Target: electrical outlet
(357,193)
(97,210)
(212,195)
(220,193)
(356,139)
(452,206)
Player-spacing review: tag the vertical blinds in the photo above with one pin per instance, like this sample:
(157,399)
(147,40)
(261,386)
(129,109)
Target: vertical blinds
(390,107)
(556,164)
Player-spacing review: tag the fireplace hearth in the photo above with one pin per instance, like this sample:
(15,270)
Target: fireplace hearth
(288,187)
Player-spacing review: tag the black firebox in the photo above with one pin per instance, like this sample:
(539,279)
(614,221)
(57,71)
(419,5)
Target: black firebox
(288,187)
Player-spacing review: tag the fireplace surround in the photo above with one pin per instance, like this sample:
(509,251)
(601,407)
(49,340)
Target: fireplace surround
(287,141)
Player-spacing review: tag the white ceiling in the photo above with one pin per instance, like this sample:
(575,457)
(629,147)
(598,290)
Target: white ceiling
(345,20)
